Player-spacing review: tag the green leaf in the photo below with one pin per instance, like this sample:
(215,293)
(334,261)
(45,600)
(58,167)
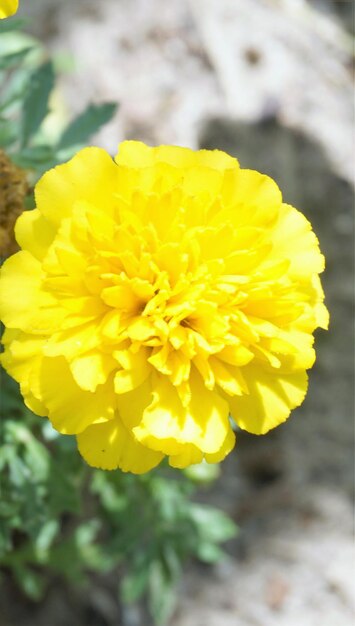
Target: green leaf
(203,473)
(5,540)
(135,583)
(162,593)
(8,133)
(14,23)
(18,471)
(63,493)
(29,581)
(37,158)
(35,105)
(212,525)
(209,552)
(86,124)
(36,456)
(8,509)
(14,58)
(13,94)
(45,539)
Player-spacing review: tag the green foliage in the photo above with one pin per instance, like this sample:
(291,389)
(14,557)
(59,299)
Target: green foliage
(58,516)
(80,129)
(28,81)
(35,105)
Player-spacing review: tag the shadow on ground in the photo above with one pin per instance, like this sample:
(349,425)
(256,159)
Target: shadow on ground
(323,425)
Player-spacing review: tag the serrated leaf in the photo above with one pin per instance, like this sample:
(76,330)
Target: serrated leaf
(35,105)
(14,58)
(13,94)
(14,23)
(212,525)
(134,584)
(8,133)
(86,124)
(18,471)
(38,158)
(162,594)
(45,539)
(209,552)
(8,509)
(30,582)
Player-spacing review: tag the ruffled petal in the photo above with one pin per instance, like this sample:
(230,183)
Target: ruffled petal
(225,449)
(92,369)
(81,179)
(8,8)
(34,233)
(251,199)
(136,154)
(167,425)
(293,239)
(70,408)
(19,286)
(191,455)
(110,445)
(21,356)
(272,396)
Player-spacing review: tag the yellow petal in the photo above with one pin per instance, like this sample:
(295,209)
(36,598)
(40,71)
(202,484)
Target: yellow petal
(81,179)
(8,8)
(34,233)
(217,159)
(272,396)
(235,355)
(111,445)
(34,404)
(251,199)
(132,404)
(225,448)
(92,369)
(167,424)
(22,358)
(70,408)
(128,380)
(229,378)
(23,304)
(294,239)
(136,369)
(20,281)
(190,455)
(195,183)
(73,342)
(135,154)
(322,315)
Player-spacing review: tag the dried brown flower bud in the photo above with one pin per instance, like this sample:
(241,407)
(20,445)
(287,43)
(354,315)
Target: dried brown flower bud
(13,189)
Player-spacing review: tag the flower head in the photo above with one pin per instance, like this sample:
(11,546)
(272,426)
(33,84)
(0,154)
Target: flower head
(156,294)
(8,8)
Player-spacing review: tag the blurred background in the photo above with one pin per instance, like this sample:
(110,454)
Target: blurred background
(271,82)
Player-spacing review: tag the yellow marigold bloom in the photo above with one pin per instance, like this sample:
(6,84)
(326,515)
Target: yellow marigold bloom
(154,295)
(7,8)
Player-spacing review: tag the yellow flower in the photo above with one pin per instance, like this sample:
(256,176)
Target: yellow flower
(154,295)
(7,8)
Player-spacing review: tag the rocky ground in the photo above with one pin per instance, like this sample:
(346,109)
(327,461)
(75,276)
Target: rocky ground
(268,81)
